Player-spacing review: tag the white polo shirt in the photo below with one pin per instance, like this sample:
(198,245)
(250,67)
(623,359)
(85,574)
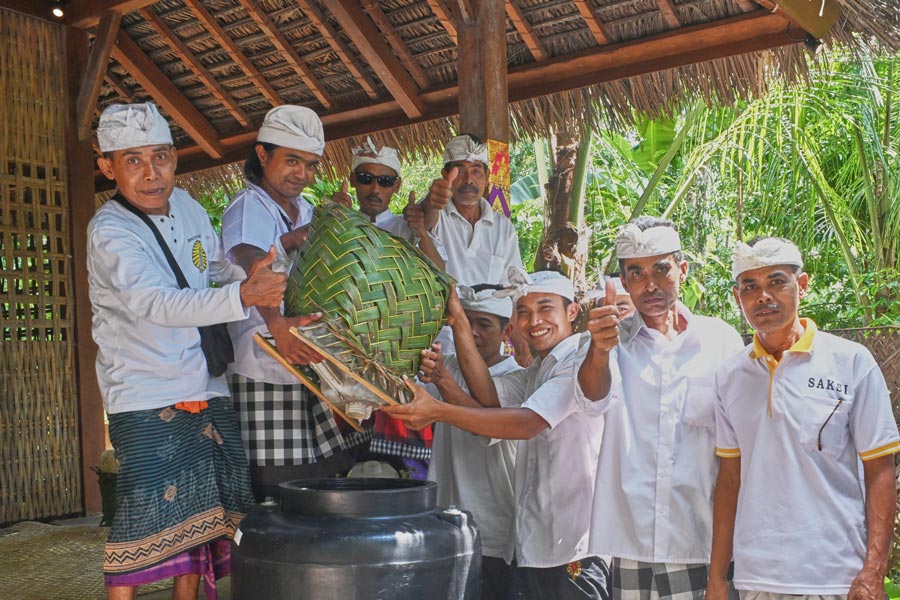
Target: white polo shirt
(145,327)
(254,218)
(396,225)
(476,473)
(657,470)
(481,253)
(800,427)
(555,470)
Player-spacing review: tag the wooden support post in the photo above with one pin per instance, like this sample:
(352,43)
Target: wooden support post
(80,174)
(483,94)
(96,68)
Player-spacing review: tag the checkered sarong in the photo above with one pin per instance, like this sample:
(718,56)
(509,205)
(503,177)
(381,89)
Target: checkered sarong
(283,424)
(635,580)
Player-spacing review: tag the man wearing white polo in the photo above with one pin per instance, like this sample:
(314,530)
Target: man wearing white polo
(805,496)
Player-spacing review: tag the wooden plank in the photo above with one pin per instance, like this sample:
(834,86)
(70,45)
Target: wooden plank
(443,14)
(751,32)
(387,31)
(483,92)
(520,22)
(98,62)
(746,5)
(290,56)
(592,21)
(117,84)
(667,8)
(184,53)
(85,14)
(164,92)
(368,40)
(221,37)
(79,162)
(340,48)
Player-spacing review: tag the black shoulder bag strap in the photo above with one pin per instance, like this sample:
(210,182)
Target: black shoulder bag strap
(214,339)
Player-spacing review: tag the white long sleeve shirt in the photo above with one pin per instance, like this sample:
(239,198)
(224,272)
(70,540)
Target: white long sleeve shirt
(145,326)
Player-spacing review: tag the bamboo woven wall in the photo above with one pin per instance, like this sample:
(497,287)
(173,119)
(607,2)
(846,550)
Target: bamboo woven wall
(39,449)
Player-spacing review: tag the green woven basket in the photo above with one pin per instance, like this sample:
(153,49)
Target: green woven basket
(382,302)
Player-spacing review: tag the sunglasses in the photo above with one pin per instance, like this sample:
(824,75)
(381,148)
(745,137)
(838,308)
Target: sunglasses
(384,181)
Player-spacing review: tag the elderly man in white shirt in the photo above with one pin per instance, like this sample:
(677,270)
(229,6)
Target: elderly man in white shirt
(806,491)
(556,457)
(183,483)
(653,501)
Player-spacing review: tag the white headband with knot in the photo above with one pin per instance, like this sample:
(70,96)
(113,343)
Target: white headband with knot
(765,253)
(371,154)
(463,147)
(295,127)
(484,301)
(541,282)
(632,242)
(124,126)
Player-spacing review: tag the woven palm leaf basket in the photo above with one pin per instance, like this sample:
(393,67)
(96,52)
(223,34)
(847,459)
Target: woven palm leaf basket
(382,302)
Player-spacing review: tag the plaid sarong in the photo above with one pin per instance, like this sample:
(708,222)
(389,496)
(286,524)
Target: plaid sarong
(391,437)
(636,580)
(183,482)
(283,425)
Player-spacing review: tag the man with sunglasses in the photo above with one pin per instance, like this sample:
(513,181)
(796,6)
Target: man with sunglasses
(796,413)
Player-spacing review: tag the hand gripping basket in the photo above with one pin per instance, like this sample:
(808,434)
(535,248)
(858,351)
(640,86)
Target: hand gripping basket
(382,302)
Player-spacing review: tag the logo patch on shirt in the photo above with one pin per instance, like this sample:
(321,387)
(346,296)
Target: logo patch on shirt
(198,255)
(827,384)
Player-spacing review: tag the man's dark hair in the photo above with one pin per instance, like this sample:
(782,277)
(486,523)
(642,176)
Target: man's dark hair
(490,286)
(758,238)
(474,139)
(252,167)
(644,223)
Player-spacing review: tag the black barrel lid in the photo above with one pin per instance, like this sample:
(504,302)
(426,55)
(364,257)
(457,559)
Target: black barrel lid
(362,497)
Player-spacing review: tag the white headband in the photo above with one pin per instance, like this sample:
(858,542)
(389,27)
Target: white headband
(124,126)
(370,154)
(484,301)
(295,127)
(462,147)
(765,253)
(545,282)
(634,243)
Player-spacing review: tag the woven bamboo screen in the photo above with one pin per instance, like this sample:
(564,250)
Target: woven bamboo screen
(39,449)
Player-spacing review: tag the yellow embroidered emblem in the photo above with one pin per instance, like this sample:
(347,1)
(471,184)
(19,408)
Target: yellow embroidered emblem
(198,254)
(574,569)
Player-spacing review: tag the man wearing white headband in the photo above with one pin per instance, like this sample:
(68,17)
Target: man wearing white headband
(287,431)
(556,457)
(375,173)
(797,411)
(475,472)
(183,483)
(653,501)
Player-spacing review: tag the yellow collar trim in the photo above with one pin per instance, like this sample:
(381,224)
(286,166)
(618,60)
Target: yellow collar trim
(804,344)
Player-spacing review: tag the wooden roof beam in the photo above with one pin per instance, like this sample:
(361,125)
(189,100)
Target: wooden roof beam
(593,22)
(129,55)
(667,8)
(334,40)
(369,42)
(290,56)
(443,14)
(224,40)
(400,49)
(746,5)
(85,14)
(184,53)
(97,64)
(520,22)
(117,84)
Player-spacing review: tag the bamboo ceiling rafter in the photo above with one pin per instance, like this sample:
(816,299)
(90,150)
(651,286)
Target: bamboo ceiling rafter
(331,36)
(368,40)
(290,56)
(520,22)
(399,46)
(443,14)
(593,22)
(667,8)
(184,53)
(219,35)
(128,54)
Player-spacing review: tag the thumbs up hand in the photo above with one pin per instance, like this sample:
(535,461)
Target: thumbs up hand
(343,197)
(441,190)
(603,321)
(415,216)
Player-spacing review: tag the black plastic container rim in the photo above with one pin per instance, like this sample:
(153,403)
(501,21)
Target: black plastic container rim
(357,497)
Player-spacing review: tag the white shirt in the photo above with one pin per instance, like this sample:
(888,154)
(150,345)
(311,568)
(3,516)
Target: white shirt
(476,473)
(396,225)
(555,470)
(657,468)
(800,526)
(481,253)
(255,219)
(145,327)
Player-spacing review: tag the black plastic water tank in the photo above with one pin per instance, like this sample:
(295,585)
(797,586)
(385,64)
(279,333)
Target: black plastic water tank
(356,539)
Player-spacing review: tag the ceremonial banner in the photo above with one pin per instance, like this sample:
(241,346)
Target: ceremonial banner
(498,176)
